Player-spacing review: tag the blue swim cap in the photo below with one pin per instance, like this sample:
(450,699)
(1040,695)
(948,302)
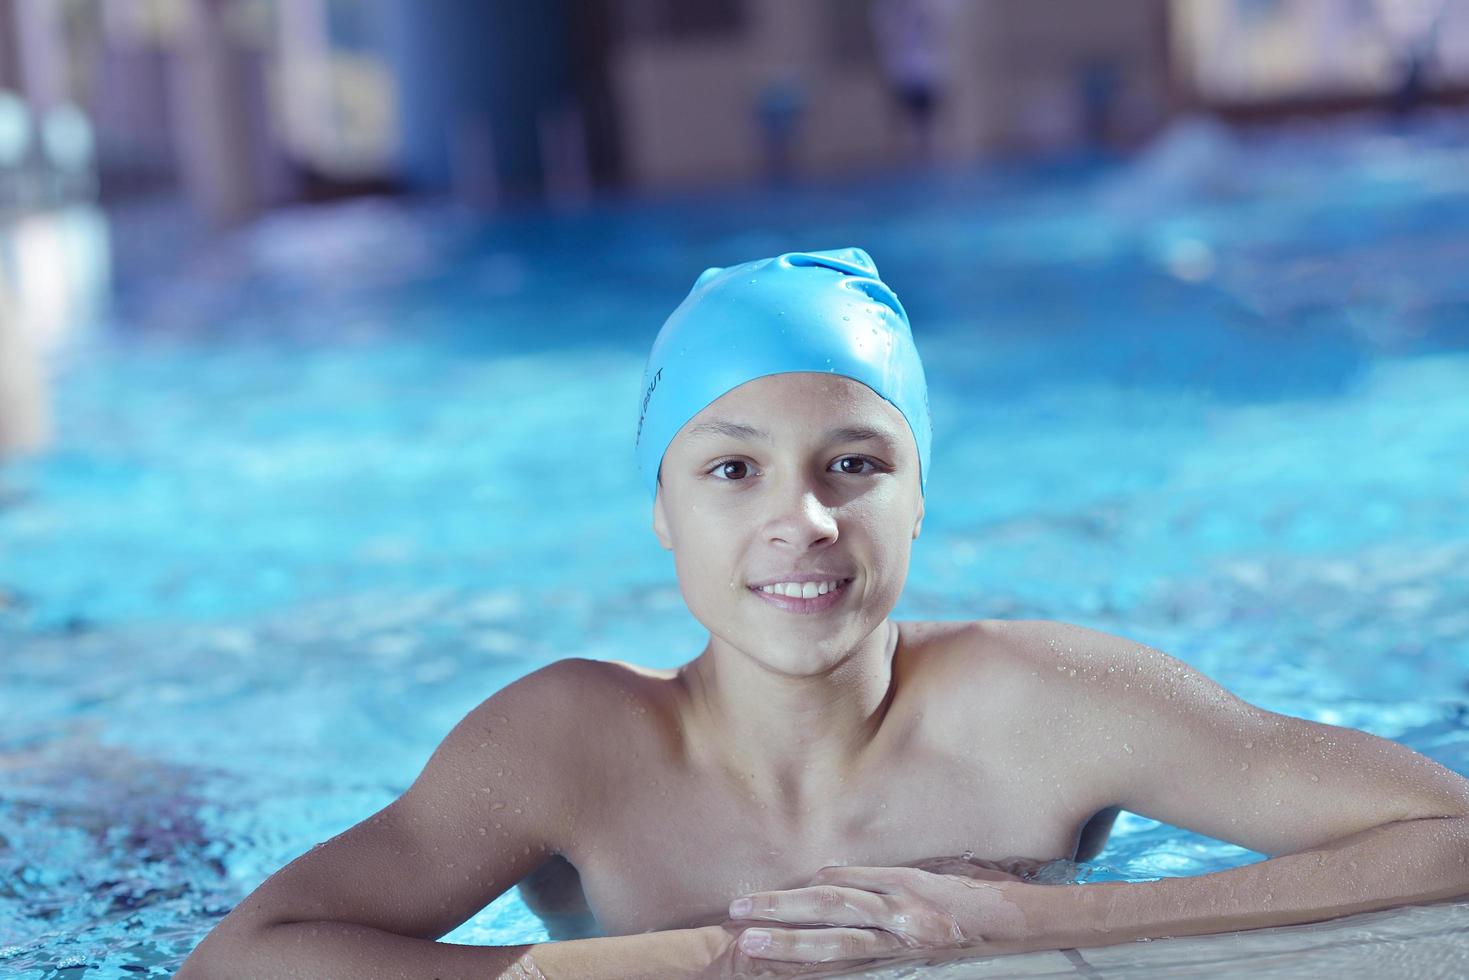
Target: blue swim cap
(801,311)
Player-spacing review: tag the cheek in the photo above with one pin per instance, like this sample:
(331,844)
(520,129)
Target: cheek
(891,534)
(704,558)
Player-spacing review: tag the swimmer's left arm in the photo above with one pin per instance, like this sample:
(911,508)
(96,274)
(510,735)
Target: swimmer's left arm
(1354,822)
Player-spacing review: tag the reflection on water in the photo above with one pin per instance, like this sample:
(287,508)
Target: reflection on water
(53,279)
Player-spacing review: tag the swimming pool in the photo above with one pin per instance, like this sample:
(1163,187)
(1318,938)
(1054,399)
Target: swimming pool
(357,468)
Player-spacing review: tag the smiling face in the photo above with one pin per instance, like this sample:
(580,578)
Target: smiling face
(792,478)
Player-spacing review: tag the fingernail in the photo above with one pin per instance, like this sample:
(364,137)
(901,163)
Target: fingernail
(755,940)
(739,907)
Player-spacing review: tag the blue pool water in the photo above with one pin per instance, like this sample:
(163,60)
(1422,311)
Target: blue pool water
(350,471)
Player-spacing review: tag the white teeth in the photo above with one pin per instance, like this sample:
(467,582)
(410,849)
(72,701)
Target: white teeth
(800,590)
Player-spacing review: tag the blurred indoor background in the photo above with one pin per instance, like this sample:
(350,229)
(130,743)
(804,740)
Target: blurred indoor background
(190,116)
(322,324)
(179,118)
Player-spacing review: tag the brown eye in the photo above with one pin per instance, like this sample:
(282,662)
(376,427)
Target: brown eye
(734,469)
(852,465)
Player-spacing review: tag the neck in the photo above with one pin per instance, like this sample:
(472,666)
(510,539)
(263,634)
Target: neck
(790,743)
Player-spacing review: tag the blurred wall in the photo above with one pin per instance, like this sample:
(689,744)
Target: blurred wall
(243,105)
(1039,75)
(1013,75)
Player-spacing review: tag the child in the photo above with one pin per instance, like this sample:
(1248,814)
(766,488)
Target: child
(814,785)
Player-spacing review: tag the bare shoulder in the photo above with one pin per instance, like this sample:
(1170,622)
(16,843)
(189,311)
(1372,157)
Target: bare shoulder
(530,739)
(544,731)
(559,708)
(966,671)
(1042,655)
(1077,675)
(1045,686)
(966,653)
(602,708)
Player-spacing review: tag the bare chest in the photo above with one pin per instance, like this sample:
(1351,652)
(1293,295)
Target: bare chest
(676,849)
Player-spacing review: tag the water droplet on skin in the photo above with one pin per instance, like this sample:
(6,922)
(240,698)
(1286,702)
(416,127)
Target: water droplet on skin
(1127,748)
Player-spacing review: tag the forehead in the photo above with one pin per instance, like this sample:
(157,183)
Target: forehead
(797,403)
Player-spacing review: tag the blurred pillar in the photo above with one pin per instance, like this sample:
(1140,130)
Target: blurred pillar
(40,43)
(212,110)
(25,421)
(9,47)
(478,80)
(592,30)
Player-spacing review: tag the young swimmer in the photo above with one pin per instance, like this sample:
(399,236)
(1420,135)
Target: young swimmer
(814,786)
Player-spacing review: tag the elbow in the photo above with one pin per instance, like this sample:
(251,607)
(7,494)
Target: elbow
(198,966)
(225,954)
(208,961)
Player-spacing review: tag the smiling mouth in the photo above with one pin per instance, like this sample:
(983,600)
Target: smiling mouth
(803,597)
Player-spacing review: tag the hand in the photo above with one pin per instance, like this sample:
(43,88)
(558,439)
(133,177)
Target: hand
(886,912)
(731,962)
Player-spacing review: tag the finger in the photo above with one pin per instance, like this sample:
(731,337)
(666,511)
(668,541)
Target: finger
(882,881)
(817,945)
(824,905)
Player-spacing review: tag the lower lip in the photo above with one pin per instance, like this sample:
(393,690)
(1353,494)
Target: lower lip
(815,605)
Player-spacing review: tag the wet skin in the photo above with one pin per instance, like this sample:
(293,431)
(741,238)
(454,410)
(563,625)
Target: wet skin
(805,736)
(957,768)
(810,731)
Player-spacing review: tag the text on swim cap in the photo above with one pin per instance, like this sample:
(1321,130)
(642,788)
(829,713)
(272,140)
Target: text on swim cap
(646,396)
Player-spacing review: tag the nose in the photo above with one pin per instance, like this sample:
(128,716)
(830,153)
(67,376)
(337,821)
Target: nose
(799,519)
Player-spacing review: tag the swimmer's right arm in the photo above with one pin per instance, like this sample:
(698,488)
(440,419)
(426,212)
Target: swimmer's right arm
(328,950)
(487,809)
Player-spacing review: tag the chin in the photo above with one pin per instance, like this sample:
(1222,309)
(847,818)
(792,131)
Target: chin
(803,655)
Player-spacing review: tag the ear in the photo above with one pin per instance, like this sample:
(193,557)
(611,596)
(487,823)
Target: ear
(660,520)
(918,524)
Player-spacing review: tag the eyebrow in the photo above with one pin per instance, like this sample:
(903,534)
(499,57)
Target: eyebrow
(738,430)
